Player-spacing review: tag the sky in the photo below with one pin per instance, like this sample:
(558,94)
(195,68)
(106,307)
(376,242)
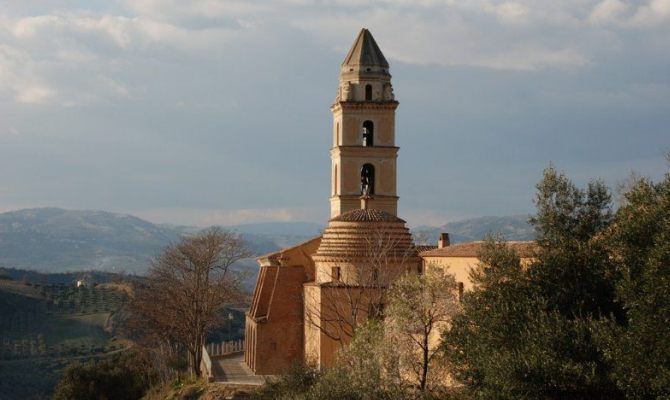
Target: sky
(206,112)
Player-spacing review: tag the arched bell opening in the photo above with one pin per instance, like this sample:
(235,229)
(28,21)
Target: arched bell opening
(368,133)
(368,180)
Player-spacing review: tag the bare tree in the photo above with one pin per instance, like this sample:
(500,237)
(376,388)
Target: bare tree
(187,288)
(354,289)
(419,307)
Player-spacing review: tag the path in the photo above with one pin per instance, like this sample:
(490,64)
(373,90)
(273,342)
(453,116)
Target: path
(232,369)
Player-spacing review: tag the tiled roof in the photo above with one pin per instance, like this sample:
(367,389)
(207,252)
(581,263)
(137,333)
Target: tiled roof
(273,256)
(365,52)
(525,249)
(361,234)
(367,215)
(423,247)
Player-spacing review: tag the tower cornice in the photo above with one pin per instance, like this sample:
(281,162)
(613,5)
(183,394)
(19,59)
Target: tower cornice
(364,105)
(374,151)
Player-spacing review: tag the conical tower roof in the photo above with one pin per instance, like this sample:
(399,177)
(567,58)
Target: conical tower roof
(365,52)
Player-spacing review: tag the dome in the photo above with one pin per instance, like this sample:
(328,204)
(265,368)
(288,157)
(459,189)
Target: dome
(362,235)
(367,215)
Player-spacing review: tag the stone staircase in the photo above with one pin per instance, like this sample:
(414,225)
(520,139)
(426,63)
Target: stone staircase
(232,369)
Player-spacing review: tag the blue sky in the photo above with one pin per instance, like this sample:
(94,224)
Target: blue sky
(217,112)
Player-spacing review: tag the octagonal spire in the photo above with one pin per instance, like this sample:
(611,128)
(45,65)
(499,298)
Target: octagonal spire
(365,52)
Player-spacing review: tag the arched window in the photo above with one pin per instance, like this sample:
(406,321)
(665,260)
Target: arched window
(368,92)
(368,133)
(368,179)
(335,181)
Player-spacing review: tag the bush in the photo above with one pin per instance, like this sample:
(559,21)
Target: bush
(125,376)
(293,385)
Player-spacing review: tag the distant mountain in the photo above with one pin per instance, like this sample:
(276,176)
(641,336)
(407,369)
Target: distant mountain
(306,229)
(57,240)
(513,227)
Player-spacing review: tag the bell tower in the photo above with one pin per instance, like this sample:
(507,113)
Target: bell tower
(364,152)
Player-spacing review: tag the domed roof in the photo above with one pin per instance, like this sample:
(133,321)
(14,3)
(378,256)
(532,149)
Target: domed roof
(367,215)
(362,234)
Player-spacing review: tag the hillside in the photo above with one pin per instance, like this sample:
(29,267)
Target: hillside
(45,327)
(513,227)
(57,240)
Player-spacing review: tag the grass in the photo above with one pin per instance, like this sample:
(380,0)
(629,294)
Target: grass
(189,389)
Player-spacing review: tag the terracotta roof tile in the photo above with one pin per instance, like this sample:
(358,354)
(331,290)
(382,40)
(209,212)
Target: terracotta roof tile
(525,249)
(273,256)
(367,215)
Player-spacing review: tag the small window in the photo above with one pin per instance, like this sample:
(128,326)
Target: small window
(273,346)
(368,92)
(335,274)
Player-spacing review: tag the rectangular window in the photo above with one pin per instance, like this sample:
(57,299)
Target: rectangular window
(335,274)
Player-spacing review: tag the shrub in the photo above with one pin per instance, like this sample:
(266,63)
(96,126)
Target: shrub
(125,376)
(292,385)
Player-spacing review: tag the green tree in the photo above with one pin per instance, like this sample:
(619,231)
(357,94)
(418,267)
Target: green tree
(573,270)
(527,332)
(639,240)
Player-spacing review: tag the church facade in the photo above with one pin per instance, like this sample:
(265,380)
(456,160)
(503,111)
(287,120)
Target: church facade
(309,297)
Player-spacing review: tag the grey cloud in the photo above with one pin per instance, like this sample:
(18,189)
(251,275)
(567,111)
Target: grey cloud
(192,107)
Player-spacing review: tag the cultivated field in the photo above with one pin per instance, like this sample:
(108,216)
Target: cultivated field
(45,327)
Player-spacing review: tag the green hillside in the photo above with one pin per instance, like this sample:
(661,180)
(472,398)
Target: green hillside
(45,327)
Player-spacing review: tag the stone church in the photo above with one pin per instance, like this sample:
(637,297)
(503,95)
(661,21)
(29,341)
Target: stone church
(309,297)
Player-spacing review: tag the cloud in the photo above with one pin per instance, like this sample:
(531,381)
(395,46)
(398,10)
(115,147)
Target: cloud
(511,12)
(33,94)
(608,11)
(655,13)
(647,16)
(19,79)
(9,131)
(49,51)
(211,95)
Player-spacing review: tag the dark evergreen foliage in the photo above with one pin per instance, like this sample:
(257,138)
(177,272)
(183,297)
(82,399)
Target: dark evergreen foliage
(589,318)
(639,241)
(127,376)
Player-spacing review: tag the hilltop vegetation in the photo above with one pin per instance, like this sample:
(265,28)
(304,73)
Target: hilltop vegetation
(46,327)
